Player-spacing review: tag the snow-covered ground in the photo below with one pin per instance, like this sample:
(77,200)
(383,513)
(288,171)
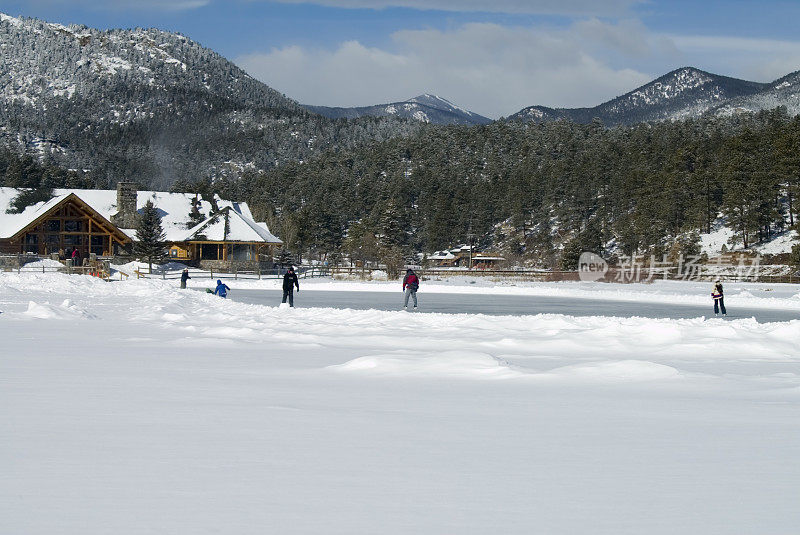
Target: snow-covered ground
(134,407)
(711,243)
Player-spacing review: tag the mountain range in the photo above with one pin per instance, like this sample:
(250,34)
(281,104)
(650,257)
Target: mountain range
(681,94)
(426,108)
(128,104)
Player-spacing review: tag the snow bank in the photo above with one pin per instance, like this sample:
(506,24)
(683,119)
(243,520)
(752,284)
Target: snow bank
(395,343)
(46,311)
(44,263)
(449,364)
(472,365)
(623,370)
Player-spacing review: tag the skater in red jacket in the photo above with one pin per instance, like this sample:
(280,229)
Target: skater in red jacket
(410,287)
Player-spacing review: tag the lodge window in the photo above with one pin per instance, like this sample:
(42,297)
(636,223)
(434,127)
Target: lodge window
(73,226)
(210,251)
(73,241)
(240,252)
(53,225)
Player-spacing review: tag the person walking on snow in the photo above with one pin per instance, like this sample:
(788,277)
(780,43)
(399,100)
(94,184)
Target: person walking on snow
(410,287)
(289,282)
(221,290)
(184,277)
(719,299)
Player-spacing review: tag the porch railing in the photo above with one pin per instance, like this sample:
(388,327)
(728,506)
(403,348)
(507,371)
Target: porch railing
(194,273)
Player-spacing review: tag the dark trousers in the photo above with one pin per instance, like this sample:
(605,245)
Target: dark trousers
(288,294)
(719,304)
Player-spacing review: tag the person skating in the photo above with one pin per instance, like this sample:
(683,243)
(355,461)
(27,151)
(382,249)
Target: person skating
(289,283)
(221,289)
(719,298)
(184,277)
(410,287)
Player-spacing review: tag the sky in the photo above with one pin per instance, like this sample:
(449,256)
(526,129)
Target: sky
(491,57)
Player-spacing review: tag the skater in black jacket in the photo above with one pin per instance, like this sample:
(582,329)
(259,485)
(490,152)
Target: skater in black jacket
(289,283)
(719,298)
(184,277)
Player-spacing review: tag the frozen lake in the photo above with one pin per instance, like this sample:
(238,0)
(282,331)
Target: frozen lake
(517,305)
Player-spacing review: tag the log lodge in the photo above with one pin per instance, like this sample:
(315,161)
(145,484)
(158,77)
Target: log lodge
(102,223)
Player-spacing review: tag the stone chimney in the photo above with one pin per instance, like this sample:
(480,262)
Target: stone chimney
(126,216)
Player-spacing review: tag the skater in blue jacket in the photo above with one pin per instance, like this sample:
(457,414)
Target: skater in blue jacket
(221,290)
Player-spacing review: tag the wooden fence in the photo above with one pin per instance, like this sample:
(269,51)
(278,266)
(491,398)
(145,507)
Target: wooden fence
(612,275)
(302,273)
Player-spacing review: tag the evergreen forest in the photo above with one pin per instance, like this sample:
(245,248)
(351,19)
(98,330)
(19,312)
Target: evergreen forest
(539,192)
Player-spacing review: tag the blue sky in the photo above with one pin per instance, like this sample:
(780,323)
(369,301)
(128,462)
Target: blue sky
(491,57)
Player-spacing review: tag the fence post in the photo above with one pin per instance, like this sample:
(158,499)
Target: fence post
(211,271)
(236,273)
(163,274)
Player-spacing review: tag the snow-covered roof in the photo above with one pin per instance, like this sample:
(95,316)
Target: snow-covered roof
(10,224)
(442,255)
(173,207)
(230,225)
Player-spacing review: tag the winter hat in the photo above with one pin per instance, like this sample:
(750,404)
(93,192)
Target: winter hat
(219,281)
(291,268)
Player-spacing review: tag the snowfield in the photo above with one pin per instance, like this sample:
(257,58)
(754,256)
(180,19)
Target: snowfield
(134,407)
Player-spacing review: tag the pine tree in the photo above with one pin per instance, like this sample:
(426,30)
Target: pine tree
(150,236)
(195,215)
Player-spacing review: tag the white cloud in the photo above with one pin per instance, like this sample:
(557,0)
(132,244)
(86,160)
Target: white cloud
(497,70)
(750,58)
(488,68)
(162,5)
(552,7)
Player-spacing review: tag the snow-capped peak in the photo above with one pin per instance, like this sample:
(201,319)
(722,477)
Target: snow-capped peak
(9,19)
(435,101)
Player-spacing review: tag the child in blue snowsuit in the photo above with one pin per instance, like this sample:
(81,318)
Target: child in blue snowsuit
(221,290)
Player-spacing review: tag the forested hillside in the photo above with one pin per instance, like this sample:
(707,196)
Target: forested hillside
(541,192)
(153,107)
